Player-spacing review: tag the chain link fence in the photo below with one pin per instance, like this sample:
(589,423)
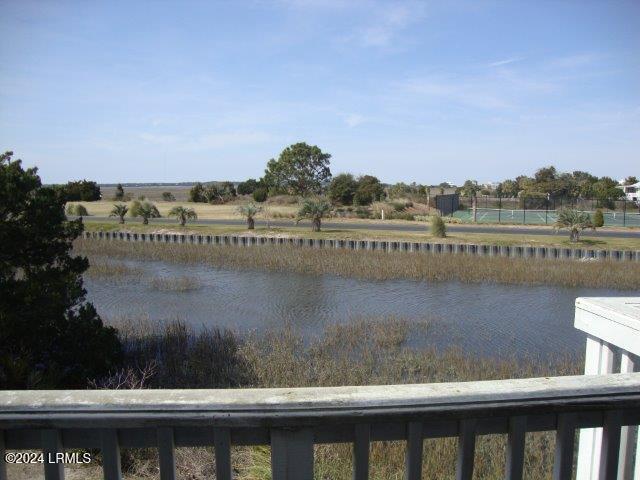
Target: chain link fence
(543,211)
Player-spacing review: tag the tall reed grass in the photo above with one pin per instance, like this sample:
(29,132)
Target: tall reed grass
(364,352)
(380,265)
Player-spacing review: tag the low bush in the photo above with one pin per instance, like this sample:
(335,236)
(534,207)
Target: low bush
(598,218)
(260,195)
(168,197)
(438,228)
(134,209)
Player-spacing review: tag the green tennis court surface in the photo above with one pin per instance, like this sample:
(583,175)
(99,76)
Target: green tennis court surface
(540,217)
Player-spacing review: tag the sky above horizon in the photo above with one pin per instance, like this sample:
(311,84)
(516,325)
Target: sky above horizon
(407,91)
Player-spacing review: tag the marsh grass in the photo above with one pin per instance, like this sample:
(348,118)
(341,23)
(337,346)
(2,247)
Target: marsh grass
(106,269)
(363,352)
(175,284)
(380,265)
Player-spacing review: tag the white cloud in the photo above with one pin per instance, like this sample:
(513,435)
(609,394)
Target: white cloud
(506,61)
(354,119)
(385,23)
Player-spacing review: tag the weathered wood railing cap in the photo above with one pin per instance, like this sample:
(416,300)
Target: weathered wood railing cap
(615,320)
(434,397)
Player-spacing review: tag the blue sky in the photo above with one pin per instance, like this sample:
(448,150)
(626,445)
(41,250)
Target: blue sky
(413,91)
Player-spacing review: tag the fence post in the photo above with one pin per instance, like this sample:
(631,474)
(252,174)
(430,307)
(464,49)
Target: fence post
(624,213)
(546,212)
(524,210)
(499,207)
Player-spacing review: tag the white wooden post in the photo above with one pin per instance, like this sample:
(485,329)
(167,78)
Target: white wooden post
(613,324)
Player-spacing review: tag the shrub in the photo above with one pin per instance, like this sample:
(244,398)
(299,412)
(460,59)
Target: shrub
(71,209)
(342,189)
(81,211)
(196,194)
(438,228)
(168,197)
(260,194)
(248,187)
(598,218)
(134,210)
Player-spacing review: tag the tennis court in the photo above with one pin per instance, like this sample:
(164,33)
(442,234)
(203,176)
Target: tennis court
(541,217)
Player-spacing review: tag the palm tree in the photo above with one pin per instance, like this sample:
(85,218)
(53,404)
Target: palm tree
(314,209)
(183,214)
(146,211)
(249,211)
(574,221)
(119,210)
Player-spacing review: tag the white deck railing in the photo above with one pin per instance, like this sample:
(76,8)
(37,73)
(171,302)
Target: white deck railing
(291,421)
(613,345)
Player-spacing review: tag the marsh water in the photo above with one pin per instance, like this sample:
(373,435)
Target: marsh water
(481,318)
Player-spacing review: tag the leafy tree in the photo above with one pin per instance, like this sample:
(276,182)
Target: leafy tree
(598,218)
(146,211)
(606,190)
(470,188)
(183,214)
(50,336)
(369,190)
(119,210)
(438,228)
(248,187)
(196,194)
(249,211)
(342,189)
(84,190)
(119,192)
(301,169)
(315,210)
(630,180)
(574,221)
(168,197)
(508,188)
(260,194)
(81,211)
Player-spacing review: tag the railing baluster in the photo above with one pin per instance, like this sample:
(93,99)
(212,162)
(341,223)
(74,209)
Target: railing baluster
(166,455)
(51,446)
(515,448)
(628,433)
(110,455)
(610,449)
(565,443)
(361,452)
(413,455)
(466,449)
(3,451)
(222,446)
(292,454)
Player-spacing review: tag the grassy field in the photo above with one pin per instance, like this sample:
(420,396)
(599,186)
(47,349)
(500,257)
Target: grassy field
(205,211)
(378,265)
(303,230)
(372,351)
